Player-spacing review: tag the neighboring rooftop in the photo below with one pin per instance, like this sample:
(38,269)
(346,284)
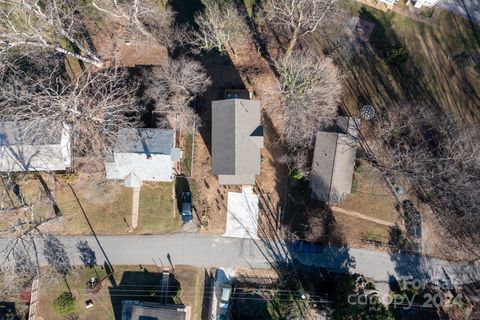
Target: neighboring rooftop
(26,133)
(26,146)
(237,138)
(334,160)
(136,310)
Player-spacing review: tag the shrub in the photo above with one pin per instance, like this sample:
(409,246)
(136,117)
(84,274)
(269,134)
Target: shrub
(65,303)
(396,56)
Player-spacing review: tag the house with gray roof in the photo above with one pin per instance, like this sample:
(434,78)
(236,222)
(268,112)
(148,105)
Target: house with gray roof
(25,146)
(237,140)
(334,160)
(140,310)
(143,154)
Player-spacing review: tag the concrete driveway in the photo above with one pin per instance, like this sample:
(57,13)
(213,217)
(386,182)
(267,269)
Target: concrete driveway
(242,214)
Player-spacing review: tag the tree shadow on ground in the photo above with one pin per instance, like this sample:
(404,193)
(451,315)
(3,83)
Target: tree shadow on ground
(144,286)
(8,311)
(186,10)
(224,76)
(412,284)
(250,305)
(296,262)
(209,281)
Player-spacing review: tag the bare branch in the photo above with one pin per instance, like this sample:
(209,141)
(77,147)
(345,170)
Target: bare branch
(219,24)
(311,90)
(299,17)
(175,85)
(51,25)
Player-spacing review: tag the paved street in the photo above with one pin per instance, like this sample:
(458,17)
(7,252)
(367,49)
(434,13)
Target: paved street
(214,251)
(470,9)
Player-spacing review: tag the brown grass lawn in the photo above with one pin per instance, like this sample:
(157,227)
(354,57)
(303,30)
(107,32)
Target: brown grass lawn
(439,72)
(132,283)
(371,195)
(192,281)
(105,205)
(156,209)
(355,230)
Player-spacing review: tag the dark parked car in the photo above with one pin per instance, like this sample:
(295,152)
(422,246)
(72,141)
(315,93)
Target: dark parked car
(186,207)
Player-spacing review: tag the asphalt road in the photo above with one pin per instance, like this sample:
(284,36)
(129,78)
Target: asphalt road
(215,251)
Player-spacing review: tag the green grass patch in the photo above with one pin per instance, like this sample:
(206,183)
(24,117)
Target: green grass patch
(373,236)
(156,213)
(187,155)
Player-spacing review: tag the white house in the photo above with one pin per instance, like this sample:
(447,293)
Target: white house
(143,155)
(23,148)
(425,3)
(416,3)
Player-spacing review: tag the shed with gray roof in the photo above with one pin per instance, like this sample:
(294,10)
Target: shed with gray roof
(334,161)
(237,140)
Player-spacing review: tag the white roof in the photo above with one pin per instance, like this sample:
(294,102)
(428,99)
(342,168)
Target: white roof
(158,167)
(42,154)
(143,154)
(132,181)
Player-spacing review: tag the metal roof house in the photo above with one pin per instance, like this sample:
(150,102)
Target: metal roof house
(137,310)
(237,139)
(25,148)
(334,161)
(142,154)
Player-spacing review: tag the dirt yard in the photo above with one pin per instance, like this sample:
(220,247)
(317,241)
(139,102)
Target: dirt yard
(271,185)
(211,202)
(371,195)
(235,73)
(118,46)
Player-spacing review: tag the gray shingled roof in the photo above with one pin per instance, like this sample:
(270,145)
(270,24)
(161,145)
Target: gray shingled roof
(144,140)
(334,161)
(236,137)
(138,310)
(19,133)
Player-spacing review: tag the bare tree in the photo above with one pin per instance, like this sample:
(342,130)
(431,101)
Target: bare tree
(311,89)
(17,275)
(93,107)
(145,16)
(442,159)
(175,85)
(220,23)
(299,17)
(50,25)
